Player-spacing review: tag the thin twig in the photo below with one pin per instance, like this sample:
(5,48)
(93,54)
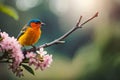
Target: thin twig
(96,15)
(79,21)
(60,40)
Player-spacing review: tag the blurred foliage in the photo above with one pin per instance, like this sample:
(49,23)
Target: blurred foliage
(9,11)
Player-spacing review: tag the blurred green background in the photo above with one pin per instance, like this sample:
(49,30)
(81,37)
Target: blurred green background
(90,53)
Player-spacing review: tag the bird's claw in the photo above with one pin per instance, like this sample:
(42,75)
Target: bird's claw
(34,48)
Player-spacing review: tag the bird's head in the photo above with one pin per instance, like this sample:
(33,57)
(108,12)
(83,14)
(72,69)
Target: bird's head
(35,23)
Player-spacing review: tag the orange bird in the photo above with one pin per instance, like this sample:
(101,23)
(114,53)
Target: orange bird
(30,33)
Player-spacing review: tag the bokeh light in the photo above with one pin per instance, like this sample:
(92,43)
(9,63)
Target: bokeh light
(25,5)
(59,7)
(83,5)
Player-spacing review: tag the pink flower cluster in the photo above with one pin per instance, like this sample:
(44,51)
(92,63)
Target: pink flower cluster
(40,60)
(13,53)
(13,49)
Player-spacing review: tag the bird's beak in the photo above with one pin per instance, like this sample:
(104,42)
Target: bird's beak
(43,24)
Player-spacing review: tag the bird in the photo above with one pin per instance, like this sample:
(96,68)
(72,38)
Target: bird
(30,33)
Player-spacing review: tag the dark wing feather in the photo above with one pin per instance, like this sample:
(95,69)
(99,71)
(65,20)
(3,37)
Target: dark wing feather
(22,31)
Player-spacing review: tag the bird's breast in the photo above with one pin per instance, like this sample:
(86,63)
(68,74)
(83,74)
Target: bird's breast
(30,37)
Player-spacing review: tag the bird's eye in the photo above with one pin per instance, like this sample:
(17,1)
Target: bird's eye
(36,23)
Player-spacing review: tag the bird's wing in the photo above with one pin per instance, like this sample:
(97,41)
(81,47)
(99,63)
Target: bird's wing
(22,31)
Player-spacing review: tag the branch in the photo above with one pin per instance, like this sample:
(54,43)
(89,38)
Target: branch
(60,40)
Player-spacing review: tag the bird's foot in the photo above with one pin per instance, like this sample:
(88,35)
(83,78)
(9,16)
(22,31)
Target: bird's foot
(24,51)
(34,48)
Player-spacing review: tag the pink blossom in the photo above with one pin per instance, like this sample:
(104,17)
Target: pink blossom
(13,48)
(11,45)
(31,57)
(42,52)
(46,59)
(40,60)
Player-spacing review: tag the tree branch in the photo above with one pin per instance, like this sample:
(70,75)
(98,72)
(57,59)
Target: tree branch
(60,40)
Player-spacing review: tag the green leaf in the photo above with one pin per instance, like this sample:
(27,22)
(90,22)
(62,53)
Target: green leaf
(29,69)
(9,11)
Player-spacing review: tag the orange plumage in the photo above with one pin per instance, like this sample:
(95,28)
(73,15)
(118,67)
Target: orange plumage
(30,33)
